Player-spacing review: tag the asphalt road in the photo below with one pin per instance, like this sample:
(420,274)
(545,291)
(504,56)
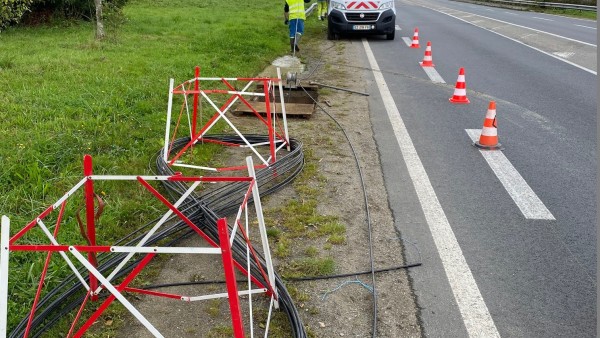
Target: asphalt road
(577,29)
(535,277)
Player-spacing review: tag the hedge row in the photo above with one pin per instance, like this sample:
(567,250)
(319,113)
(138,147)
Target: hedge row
(14,11)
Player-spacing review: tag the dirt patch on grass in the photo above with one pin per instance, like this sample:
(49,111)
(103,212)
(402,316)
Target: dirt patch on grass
(318,225)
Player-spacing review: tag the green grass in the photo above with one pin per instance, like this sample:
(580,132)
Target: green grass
(65,94)
(222,331)
(299,217)
(308,267)
(575,13)
(213,308)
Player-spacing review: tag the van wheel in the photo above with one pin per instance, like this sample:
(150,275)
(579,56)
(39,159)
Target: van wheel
(390,36)
(331,35)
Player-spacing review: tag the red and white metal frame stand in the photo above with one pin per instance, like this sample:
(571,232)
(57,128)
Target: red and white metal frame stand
(116,291)
(278,136)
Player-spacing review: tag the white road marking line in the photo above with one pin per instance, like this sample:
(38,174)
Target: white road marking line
(475,314)
(434,76)
(537,17)
(585,26)
(489,10)
(565,55)
(398,28)
(528,35)
(518,189)
(524,44)
(407,41)
(512,24)
(511,13)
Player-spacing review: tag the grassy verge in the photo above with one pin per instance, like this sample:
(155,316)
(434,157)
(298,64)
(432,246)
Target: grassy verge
(65,95)
(300,237)
(575,13)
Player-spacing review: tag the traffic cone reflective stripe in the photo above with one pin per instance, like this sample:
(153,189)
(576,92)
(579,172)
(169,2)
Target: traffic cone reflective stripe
(427,59)
(489,132)
(460,91)
(415,41)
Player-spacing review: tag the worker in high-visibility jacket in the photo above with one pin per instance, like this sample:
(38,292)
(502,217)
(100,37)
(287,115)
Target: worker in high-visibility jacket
(294,18)
(322,9)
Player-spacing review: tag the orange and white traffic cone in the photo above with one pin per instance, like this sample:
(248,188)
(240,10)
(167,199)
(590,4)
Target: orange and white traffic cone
(427,59)
(415,41)
(460,91)
(489,133)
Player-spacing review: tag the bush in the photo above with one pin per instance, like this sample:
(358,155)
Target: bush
(35,11)
(73,9)
(12,11)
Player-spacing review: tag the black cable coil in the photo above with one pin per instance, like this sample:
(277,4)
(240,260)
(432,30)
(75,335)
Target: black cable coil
(203,210)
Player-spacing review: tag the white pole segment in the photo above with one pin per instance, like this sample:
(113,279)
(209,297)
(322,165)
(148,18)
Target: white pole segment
(167,250)
(269,318)
(4,242)
(178,164)
(187,113)
(115,293)
(283,114)
(222,295)
(168,127)
(262,228)
(69,193)
(62,254)
(262,144)
(250,312)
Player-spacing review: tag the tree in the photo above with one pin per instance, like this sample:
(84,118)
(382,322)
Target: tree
(99,25)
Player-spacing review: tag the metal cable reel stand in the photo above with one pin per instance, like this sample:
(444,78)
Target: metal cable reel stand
(291,80)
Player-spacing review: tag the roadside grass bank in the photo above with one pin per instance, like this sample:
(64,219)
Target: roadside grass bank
(65,94)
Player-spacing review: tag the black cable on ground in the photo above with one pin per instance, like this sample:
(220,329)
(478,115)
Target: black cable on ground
(299,279)
(366,203)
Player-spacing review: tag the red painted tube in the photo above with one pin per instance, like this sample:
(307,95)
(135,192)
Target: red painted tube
(44,271)
(153,293)
(259,166)
(196,89)
(111,298)
(232,291)
(31,225)
(79,312)
(89,213)
(269,122)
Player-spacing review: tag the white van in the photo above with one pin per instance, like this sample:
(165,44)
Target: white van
(361,17)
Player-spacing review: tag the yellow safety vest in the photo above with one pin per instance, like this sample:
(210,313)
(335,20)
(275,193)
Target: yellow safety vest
(296,9)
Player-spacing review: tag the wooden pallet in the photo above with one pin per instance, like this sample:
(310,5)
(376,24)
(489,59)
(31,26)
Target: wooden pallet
(291,109)
(297,104)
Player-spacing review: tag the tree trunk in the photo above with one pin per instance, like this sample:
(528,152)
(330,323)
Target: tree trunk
(99,25)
